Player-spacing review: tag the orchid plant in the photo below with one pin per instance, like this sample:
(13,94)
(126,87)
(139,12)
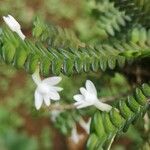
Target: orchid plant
(47,89)
(109,49)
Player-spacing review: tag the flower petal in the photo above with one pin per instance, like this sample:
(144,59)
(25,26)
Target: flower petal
(14,25)
(36,76)
(38,100)
(85,125)
(14,21)
(91,87)
(6,19)
(52,80)
(79,102)
(78,97)
(83,91)
(47,100)
(75,137)
(54,95)
(57,88)
(83,105)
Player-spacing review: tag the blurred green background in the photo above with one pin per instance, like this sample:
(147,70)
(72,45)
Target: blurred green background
(22,127)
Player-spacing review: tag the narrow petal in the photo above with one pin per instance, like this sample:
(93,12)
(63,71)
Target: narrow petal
(78,97)
(85,125)
(14,21)
(75,137)
(14,25)
(5,19)
(83,91)
(57,88)
(91,87)
(38,100)
(52,80)
(9,23)
(47,100)
(36,76)
(54,95)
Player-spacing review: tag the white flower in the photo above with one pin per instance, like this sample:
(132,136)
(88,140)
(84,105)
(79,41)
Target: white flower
(14,25)
(88,97)
(75,137)
(46,89)
(85,125)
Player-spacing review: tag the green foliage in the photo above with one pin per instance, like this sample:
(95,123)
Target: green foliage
(107,125)
(53,36)
(139,10)
(24,54)
(102,38)
(108,18)
(11,140)
(60,58)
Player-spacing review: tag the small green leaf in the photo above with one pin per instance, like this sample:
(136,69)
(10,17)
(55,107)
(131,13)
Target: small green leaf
(139,96)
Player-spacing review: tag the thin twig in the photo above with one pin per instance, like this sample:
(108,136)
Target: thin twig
(62,107)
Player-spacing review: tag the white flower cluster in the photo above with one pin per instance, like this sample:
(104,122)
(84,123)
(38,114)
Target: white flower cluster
(47,90)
